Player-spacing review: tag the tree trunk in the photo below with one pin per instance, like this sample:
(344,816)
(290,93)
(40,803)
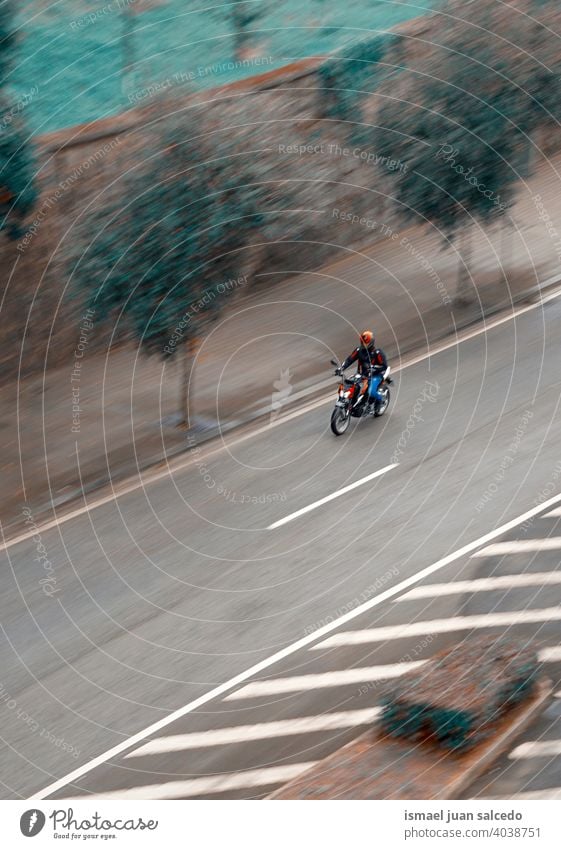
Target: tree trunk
(240,34)
(128,52)
(505,249)
(532,150)
(243,16)
(188,353)
(464,294)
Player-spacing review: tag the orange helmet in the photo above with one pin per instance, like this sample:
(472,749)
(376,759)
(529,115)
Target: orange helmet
(367,338)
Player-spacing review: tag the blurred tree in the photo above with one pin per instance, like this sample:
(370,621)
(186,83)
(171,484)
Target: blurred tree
(348,77)
(17,192)
(453,172)
(8,36)
(159,260)
(128,49)
(461,116)
(241,16)
(132,70)
(517,46)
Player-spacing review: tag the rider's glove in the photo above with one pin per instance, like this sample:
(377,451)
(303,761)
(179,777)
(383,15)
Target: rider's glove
(338,371)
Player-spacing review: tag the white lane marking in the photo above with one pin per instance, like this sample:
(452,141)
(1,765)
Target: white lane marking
(481,585)
(554,514)
(331,497)
(203,786)
(321,680)
(536,749)
(520,546)
(285,652)
(466,336)
(259,731)
(440,626)
(136,483)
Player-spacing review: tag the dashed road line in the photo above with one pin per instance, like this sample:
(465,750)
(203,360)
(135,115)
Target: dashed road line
(148,478)
(331,497)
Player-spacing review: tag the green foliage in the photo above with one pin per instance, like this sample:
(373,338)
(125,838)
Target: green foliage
(510,58)
(17,193)
(539,70)
(458,697)
(462,115)
(458,154)
(164,252)
(242,16)
(8,37)
(456,120)
(349,76)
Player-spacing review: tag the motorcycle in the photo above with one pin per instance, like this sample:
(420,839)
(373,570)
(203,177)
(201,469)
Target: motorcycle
(352,402)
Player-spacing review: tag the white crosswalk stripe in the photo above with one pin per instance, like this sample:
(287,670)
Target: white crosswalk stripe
(548,794)
(536,749)
(553,514)
(339,678)
(297,683)
(204,786)
(440,626)
(299,725)
(552,654)
(265,778)
(519,546)
(479,585)
(259,731)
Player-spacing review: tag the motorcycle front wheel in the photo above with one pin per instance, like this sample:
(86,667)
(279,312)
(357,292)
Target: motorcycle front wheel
(382,406)
(340,418)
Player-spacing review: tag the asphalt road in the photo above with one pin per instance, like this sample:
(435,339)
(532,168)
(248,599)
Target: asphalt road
(152,599)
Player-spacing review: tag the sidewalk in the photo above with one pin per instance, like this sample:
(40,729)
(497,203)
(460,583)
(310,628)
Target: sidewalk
(280,338)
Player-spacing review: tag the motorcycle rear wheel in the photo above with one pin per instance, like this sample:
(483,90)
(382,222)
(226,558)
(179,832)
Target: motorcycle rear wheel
(340,419)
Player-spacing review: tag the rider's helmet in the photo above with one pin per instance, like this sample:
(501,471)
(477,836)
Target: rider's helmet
(367,339)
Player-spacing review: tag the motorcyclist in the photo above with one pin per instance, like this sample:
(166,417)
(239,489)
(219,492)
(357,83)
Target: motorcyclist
(369,358)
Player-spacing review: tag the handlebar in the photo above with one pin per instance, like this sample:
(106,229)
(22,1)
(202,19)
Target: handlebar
(373,369)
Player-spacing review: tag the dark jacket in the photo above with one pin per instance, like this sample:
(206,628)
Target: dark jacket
(367,357)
